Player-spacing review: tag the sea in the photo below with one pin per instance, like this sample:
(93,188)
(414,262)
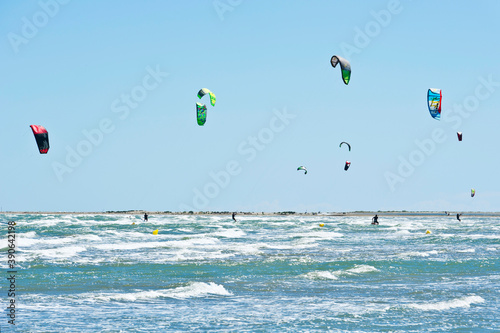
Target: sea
(262,273)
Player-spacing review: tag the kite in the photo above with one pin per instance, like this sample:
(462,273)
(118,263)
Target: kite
(347,165)
(205,91)
(41,137)
(472,193)
(434,100)
(459,134)
(345,66)
(348,145)
(302,168)
(201,113)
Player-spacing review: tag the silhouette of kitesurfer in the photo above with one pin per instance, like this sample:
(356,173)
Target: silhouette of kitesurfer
(234,214)
(458,217)
(375,219)
(145,217)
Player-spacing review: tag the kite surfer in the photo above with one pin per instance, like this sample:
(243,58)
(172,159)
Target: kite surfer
(145,217)
(233,217)
(375,219)
(458,217)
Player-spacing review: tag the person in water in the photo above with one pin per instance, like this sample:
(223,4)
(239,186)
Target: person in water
(375,219)
(458,217)
(145,217)
(233,217)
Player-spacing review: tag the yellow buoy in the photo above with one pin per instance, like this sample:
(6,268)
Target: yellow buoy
(321,224)
(155,232)
(428,232)
(133,223)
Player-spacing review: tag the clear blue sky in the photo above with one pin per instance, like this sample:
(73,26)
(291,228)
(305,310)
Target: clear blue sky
(115,83)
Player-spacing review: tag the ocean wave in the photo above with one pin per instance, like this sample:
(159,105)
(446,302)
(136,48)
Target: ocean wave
(192,290)
(479,236)
(466,251)
(60,253)
(293,246)
(419,253)
(129,246)
(230,233)
(320,235)
(191,255)
(360,269)
(402,232)
(463,302)
(327,275)
(321,275)
(27,242)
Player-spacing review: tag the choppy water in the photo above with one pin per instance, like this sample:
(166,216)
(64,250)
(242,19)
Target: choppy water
(100,273)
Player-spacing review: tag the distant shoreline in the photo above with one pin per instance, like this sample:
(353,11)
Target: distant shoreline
(285,213)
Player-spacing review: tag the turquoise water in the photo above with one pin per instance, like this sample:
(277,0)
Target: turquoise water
(100,273)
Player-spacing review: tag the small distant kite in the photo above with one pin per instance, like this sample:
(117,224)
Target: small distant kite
(205,91)
(347,165)
(459,134)
(201,113)
(434,101)
(472,193)
(345,66)
(41,137)
(348,145)
(302,168)
(201,109)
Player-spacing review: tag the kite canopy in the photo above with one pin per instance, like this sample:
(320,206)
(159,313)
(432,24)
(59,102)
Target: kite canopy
(201,113)
(472,193)
(41,137)
(434,101)
(459,134)
(348,145)
(205,91)
(302,168)
(345,66)
(347,165)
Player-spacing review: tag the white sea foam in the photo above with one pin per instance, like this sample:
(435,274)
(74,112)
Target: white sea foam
(192,290)
(27,242)
(61,252)
(402,232)
(198,255)
(192,242)
(321,275)
(129,246)
(29,234)
(320,234)
(482,236)
(463,302)
(466,251)
(419,253)
(245,248)
(441,235)
(89,237)
(27,239)
(229,233)
(290,246)
(360,269)
(327,275)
